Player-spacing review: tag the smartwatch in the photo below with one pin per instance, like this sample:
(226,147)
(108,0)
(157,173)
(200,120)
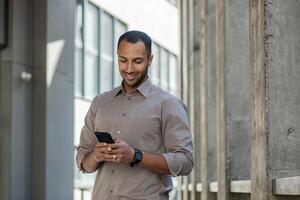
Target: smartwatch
(138,156)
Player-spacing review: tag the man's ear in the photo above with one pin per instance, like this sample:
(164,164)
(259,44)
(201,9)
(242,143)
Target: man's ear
(150,60)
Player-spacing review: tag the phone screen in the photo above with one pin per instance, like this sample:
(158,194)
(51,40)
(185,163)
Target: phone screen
(104,137)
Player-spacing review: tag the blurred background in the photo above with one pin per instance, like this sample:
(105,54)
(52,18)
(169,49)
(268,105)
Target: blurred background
(234,63)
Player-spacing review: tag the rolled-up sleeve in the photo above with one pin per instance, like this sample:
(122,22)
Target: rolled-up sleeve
(177,137)
(87,136)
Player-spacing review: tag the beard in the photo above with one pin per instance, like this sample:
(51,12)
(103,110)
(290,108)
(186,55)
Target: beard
(138,80)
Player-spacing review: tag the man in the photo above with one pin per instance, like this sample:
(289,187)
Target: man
(150,127)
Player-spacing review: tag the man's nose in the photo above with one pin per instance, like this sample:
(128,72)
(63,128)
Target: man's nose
(130,67)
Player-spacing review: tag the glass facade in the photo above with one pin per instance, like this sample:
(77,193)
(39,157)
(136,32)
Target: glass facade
(97,33)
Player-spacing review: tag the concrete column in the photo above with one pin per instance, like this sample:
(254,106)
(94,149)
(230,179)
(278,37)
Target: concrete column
(211,60)
(282,44)
(211,95)
(16,105)
(53,97)
(237,95)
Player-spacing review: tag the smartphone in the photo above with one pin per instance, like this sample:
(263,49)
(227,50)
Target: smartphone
(104,137)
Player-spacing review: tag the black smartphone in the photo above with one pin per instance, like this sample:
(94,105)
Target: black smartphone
(104,137)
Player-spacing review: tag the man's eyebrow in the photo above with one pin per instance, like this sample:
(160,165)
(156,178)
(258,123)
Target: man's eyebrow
(122,57)
(139,58)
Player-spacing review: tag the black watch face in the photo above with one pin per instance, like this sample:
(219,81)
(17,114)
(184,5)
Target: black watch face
(139,156)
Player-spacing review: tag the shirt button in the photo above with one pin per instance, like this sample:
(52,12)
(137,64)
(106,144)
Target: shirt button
(123,114)
(119,132)
(113,171)
(129,98)
(111,191)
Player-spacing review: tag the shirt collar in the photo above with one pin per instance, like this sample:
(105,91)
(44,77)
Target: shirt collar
(144,88)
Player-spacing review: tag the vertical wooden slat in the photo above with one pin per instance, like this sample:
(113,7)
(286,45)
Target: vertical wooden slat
(260,183)
(203,102)
(184,78)
(223,186)
(180,59)
(184,28)
(191,88)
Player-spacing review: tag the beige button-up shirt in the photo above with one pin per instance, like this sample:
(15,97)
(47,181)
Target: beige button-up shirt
(148,119)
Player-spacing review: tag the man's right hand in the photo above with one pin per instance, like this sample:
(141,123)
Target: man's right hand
(102,152)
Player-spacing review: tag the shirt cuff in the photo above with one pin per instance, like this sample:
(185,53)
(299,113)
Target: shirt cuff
(81,152)
(178,163)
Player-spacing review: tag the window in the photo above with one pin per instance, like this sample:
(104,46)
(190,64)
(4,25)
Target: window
(97,33)
(79,52)
(120,28)
(106,69)
(164,70)
(155,71)
(91,54)
(174,78)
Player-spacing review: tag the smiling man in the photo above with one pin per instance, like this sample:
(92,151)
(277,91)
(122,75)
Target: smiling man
(150,127)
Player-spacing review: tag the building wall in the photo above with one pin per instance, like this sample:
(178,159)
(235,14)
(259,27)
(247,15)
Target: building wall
(249,67)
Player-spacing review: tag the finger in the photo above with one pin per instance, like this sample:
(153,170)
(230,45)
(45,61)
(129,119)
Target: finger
(106,157)
(100,144)
(116,151)
(118,158)
(113,158)
(114,146)
(118,144)
(106,150)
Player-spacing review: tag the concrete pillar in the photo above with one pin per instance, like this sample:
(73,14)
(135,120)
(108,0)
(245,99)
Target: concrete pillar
(211,94)
(237,95)
(36,101)
(53,97)
(274,69)
(16,104)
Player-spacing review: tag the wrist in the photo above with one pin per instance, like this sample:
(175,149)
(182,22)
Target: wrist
(137,158)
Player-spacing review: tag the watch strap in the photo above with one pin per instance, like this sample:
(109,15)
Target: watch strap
(138,156)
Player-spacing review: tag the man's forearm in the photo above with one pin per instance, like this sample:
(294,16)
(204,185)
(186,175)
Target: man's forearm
(89,164)
(156,163)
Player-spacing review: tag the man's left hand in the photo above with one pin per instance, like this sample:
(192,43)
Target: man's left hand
(124,153)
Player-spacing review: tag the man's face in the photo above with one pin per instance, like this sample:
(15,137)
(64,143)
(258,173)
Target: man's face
(133,61)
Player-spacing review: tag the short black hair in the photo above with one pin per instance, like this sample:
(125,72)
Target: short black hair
(135,36)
